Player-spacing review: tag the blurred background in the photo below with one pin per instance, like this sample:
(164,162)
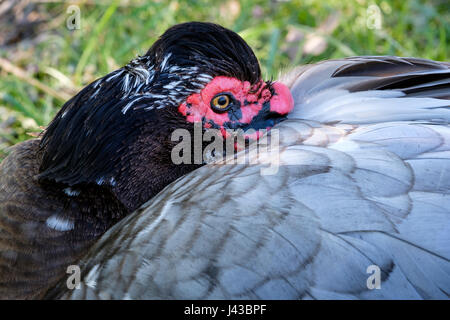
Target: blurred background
(50,49)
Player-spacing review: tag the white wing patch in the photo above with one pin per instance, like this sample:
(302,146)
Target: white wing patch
(59,224)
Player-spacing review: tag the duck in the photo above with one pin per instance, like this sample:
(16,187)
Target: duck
(109,148)
(344,195)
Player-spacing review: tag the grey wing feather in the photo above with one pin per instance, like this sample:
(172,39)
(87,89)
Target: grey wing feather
(363,180)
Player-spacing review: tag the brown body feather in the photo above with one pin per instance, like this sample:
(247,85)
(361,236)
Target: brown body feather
(33,256)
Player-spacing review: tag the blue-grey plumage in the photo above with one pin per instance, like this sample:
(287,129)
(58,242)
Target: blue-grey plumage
(363,180)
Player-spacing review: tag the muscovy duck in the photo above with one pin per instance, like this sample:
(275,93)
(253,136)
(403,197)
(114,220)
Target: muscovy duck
(108,150)
(362,181)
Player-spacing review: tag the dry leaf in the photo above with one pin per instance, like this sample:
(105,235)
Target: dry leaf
(230,9)
(316,43)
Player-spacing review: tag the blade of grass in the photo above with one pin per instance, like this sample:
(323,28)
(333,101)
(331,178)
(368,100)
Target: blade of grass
(28,112)
(274,39)
(442,43)
(92,42)
(395,44)
(21,74)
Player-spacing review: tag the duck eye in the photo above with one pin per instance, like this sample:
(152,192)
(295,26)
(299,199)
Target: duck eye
(221,102)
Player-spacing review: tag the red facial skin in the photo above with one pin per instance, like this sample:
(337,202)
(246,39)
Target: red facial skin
(197,107)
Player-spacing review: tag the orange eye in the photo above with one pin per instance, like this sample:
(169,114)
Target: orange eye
(221,102)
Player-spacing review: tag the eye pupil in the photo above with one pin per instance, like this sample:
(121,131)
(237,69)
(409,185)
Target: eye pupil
(222,101)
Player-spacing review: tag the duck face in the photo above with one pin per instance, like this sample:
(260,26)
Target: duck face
(230,104)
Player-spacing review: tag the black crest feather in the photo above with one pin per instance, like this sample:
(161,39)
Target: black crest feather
(94,136)
(210,47)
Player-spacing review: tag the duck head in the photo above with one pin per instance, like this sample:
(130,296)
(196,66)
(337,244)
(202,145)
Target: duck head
(115,134)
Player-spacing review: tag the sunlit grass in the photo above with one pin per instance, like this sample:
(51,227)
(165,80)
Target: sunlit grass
(282,33)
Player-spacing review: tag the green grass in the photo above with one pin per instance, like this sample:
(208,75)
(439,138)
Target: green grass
(112,33)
